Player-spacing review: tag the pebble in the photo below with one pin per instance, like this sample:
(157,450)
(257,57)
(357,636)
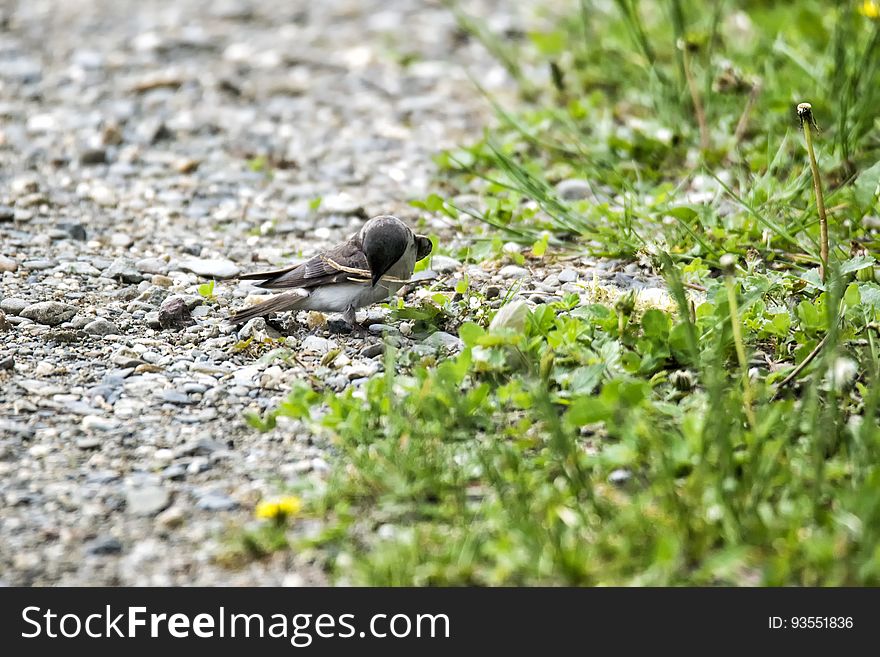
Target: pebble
(216,502)
(171,517)
(174,314)
(75,231)
(124,270)
(88,443)
(174,472)
(7,264)
(104,545)
(98,423)
(211,268)
(101,327)
(4,323)
(513,271)
(315,344)
(444,264)
(91,156)
(373,350)
(103,195)
(175,397)
(574,189)
(568,275)
(38,264)
(152,266)
(146,501)
(51,313)
(443,340)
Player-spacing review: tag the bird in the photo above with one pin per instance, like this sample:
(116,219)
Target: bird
(370,266)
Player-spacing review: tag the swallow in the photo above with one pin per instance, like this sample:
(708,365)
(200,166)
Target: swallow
(368,267)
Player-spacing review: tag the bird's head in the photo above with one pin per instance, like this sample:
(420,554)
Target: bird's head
(385,239)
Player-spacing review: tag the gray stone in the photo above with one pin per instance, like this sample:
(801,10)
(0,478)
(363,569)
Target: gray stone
(98,423)
(568,275)
(101,326)
(574,190)
(216,502)
(174,472)
(152,266)
(13,305)
(122,240)
(4,323)
(88,443)
(174,314)
(7,363)
(444,264)
(200,447)
(373,350)
(103,195)
(104,545)
(513,271)
(124,270)
(7,264)
(211,268)
(92,156)
(51,313)
(147,500)
(315,344)
(443,340)
(175,397)
(74,231)
(38,264)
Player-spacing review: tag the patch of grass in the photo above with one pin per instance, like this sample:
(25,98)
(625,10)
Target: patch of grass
(573,452)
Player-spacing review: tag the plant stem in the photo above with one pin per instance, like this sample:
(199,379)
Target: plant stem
(805,113)
(699,112)
(740,349)
(806,361)
(743,122)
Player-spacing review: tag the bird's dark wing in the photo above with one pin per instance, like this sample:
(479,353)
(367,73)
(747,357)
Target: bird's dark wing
(342,263)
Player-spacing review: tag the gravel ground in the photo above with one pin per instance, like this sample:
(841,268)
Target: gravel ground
(145,148)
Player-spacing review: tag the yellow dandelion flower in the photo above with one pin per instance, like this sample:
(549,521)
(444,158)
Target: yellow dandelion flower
(278,508)
(870,9)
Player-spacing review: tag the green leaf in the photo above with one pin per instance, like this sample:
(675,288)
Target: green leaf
(540,246)
(584,380)
(587,410)
(618,455)
(683,212)
(866,186)
(207,289)
(470,333)
(851,297)
(857,263)
(259,423)
(549,43)
(655,323)
(870,294)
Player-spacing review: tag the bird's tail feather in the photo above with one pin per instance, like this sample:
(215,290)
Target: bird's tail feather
(278,303)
